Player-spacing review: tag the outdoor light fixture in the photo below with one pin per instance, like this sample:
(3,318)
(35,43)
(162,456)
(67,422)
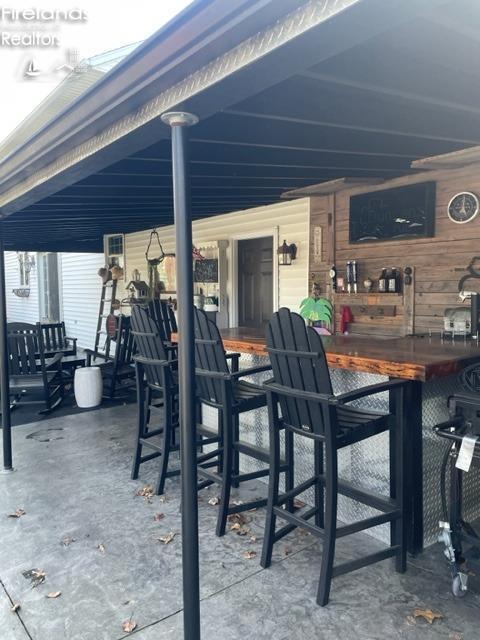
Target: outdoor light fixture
(286,254)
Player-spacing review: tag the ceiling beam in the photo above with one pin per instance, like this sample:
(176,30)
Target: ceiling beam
(452,106)
(350,126)
(265,145)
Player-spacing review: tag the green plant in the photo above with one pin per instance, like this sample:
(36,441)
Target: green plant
(316,309)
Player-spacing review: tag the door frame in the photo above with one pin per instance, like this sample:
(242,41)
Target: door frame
(267,232)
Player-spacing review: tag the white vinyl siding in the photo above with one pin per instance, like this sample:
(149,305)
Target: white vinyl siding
(288,221)
(80,295)
(20,309)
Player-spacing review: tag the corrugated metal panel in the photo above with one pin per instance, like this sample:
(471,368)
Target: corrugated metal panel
(285,220)
(20,309)
(81,288)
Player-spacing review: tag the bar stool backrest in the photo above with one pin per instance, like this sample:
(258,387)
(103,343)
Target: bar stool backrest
(26,353)
(125,345)
(209,358)
(298,363)
(150,347)
(163,314)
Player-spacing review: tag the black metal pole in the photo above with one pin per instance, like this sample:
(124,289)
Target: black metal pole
(4,383)
(186,367)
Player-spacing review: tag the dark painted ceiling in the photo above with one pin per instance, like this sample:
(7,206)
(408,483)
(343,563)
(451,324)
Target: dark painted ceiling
(411,92)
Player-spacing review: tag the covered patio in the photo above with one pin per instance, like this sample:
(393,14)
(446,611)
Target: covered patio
(287,95)
(98,542)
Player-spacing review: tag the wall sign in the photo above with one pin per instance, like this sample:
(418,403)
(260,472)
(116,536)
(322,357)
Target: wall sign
(393,214)
(317,245)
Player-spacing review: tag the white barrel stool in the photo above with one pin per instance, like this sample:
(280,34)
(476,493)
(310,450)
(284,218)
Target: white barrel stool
(88,387)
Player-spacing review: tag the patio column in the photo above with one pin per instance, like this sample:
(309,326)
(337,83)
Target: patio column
(186,366)
(4,384)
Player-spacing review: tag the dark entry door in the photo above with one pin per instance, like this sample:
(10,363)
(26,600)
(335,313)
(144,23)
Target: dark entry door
(255,282)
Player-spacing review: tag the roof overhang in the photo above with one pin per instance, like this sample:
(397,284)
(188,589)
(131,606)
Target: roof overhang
(289,94)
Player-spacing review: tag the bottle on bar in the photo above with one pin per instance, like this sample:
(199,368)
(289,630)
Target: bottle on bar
(333,277)
(355,276)
(393,281)
(349,276)
(382,281)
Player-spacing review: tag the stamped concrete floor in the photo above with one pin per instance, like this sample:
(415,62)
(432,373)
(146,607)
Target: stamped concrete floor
(99,545)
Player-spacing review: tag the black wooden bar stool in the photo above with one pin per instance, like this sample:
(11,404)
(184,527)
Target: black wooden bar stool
(301,404)
(224,390)
(157,395)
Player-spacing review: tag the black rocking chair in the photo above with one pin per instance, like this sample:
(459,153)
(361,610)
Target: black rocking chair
(157,390)
(224,390)
(118,371)
(55,339)
(34,379)
(302,390)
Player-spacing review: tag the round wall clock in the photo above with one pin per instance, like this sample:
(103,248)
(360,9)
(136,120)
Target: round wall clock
(463,207)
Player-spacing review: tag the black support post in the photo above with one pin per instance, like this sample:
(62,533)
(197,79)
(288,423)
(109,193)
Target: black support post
(186,367)
(4,384)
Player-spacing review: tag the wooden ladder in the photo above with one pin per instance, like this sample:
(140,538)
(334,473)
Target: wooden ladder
(111,286)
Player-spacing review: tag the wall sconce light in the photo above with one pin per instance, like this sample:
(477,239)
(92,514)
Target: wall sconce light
(287,253)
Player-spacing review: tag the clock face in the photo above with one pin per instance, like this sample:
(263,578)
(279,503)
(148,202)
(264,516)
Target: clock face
(463,207)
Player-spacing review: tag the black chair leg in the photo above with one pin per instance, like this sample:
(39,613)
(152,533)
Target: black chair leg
(400,525)
(142,412)
(328,555)
(319,490)
(165,454)
(226,477)
(273,485)
(290,473)
(236,455)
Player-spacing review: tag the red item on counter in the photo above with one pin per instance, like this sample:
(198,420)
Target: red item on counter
(346,317)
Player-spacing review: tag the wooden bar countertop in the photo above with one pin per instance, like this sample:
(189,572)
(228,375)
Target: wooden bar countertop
(410,358)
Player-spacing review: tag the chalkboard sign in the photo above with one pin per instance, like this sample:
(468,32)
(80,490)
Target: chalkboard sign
(393,214)
(206,270)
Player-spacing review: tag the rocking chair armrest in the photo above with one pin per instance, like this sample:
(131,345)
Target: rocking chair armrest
(69,339)
(371,390)
(51,363)
(272,386)
(94,355)
(252,371)
(159,363)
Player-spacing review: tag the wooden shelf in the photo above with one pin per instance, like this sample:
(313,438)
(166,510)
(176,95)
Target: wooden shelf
(373,294)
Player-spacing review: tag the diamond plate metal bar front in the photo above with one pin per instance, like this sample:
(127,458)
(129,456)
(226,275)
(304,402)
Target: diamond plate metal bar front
(367,463)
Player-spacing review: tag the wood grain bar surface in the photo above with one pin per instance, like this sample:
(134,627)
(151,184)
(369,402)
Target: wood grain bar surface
(410,358)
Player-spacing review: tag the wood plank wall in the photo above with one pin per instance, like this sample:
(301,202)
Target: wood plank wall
(435,260)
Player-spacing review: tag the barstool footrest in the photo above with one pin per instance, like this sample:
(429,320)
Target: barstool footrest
(353,565)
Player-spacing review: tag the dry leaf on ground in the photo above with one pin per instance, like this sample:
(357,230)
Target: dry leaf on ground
(54,594)
(164,499)
(147,492)
(17,514)
(101,547)
(427,614)
(238,518)
(248,555)
(298,504)
(237,503)
(36,576)
(68,541)
(243,531)
(287,551)
(167,538)
(14,608)
(129,625)
(214,501)
(253,538)
(158,516)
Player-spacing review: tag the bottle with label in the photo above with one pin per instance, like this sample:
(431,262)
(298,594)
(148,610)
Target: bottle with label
(393,281)
(333,277)
(382,281)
